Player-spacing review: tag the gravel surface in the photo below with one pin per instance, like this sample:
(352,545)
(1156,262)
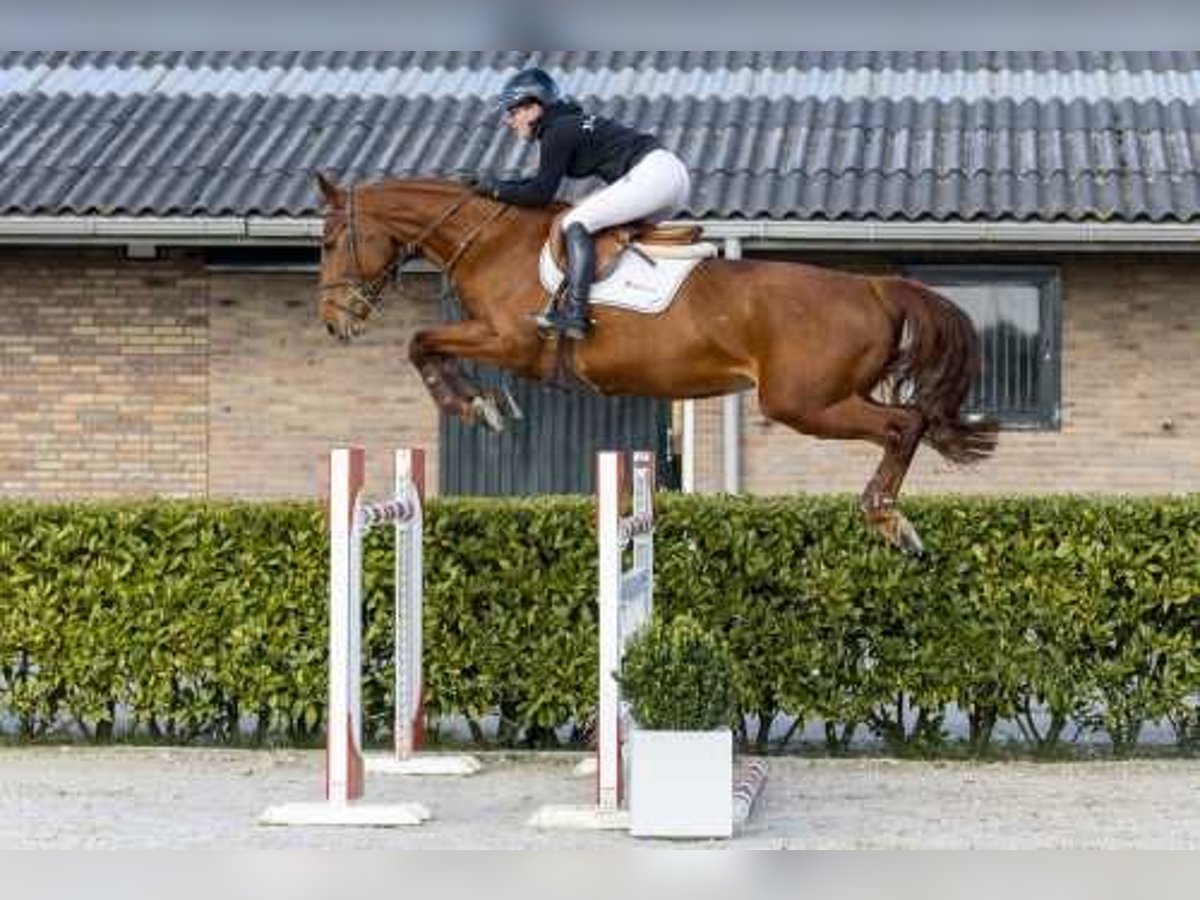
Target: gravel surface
(139,798)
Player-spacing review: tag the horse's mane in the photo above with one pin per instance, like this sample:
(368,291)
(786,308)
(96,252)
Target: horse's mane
(450,188)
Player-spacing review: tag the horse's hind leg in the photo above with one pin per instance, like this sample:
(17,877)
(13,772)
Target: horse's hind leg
(878,501)
(896,429)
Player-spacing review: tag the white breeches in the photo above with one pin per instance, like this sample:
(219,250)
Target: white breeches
(652,191)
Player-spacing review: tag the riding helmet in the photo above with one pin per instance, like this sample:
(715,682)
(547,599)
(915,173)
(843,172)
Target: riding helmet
(529,84)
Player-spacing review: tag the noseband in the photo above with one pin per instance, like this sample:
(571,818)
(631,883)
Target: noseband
(366,296)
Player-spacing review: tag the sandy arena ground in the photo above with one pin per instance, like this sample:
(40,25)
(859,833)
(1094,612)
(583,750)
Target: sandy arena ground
(143,798)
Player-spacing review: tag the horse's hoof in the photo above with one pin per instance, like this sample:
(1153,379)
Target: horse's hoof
(486,410)
(906,538)
(509,406)
(899,532)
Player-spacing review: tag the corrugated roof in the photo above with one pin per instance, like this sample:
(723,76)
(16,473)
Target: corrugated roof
(972,135)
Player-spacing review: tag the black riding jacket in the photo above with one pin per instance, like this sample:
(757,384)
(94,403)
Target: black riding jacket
(576,144)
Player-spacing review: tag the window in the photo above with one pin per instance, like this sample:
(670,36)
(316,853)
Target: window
(1016,312)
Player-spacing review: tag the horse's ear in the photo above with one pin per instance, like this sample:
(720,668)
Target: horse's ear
(330,191)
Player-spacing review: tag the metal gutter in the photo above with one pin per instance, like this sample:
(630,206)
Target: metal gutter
(200,230)
(176,230)
(1062,234)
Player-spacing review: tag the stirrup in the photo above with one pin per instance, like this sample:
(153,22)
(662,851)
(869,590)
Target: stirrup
(557,318)
(546,322)
(555,321)
(575,329)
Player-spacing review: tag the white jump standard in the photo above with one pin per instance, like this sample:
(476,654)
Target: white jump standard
(625,601)
(408,730)
(349,520)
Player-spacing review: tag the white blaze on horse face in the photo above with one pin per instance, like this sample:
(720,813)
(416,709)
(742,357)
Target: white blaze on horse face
(334,293)
(329,278)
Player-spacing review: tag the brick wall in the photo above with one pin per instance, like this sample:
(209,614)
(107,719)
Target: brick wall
(134,378)
(103,375)
(282,392)
(1131,401)
(122,377)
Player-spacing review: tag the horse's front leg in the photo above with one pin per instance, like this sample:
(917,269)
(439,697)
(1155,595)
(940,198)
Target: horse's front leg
(487,406)
(437,354)
(444,387)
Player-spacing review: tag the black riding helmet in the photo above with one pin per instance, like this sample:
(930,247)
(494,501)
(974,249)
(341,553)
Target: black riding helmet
(529,84)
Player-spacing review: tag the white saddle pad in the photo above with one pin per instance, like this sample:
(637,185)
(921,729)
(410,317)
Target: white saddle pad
(636,284)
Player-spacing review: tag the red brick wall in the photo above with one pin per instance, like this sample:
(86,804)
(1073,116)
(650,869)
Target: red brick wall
(282,392)
(126,378)
(103,375)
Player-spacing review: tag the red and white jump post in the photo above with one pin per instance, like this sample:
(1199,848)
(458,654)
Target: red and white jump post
(350,518)
(626,599)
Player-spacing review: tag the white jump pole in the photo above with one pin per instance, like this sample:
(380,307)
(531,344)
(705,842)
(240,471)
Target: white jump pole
(343,747)
(408,630)
(625,600)
(687,476)
(408,728)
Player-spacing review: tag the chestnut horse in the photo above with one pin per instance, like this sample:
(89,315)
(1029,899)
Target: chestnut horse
(832,355)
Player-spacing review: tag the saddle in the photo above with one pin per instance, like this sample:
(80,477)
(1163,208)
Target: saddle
(667,241)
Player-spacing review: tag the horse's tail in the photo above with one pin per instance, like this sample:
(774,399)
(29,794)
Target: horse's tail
(937,356)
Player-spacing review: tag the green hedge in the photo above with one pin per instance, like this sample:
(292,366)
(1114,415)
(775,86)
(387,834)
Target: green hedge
(187,621)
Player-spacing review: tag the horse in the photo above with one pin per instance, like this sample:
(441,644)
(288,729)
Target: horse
(832,355)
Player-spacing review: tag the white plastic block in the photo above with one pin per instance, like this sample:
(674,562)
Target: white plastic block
(423,764)
(362,815)
(580,818)
(680,784)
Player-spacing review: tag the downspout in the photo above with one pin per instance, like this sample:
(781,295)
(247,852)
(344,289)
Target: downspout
(687,476)
(731,412)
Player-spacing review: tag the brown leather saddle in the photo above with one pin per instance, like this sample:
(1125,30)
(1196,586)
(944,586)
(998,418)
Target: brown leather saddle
(613,242)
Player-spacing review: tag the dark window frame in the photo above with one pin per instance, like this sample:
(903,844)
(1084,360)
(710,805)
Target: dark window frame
(263,259)
(1047,279)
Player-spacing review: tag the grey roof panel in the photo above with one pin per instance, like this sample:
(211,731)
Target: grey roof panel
(428,60)
(202,147)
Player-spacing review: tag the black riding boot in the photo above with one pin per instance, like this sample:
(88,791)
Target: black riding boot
(572,320)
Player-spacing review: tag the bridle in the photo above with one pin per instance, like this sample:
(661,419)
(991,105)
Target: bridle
(366,295)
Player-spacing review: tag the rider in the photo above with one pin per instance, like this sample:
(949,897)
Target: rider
(644,181)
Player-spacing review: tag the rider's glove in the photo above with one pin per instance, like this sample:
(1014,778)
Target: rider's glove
(481,184)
